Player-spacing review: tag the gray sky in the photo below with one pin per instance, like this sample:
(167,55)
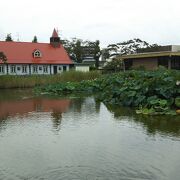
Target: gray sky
(110,21)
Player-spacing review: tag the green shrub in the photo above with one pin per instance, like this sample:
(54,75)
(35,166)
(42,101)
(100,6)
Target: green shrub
(177,102)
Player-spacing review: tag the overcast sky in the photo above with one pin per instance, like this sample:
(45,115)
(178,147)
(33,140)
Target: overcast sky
(110,21)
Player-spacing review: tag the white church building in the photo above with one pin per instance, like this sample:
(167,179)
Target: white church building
(27,58)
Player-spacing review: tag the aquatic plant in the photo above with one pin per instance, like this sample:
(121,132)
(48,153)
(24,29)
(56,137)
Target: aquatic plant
(151,92)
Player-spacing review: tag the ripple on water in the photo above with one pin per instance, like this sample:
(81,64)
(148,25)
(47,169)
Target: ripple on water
(89,172)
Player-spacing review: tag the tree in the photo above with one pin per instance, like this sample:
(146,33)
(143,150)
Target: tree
(3,57)
(105,54)
(115,65)
(97,52)
(74,49)
(79,49)
(127,47)
(8,37)
(35,39)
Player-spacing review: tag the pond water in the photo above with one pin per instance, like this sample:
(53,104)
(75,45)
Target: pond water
(80,138)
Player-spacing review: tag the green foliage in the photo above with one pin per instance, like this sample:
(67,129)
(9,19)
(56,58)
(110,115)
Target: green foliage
(37,80)
(115,65)
(3,57)
(177,102)
(77,49)
(152,92)
(35,39)
(8,37)
(127,47)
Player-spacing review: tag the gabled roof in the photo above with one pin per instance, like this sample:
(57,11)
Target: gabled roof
(22,53)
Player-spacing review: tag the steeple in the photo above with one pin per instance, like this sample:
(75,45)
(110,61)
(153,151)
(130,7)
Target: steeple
(55,39)
(55,34)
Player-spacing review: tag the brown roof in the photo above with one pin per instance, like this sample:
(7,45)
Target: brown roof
(150,54)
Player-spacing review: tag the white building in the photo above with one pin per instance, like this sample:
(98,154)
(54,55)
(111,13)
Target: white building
(27,58)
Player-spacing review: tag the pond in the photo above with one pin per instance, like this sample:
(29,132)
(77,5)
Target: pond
(80,138)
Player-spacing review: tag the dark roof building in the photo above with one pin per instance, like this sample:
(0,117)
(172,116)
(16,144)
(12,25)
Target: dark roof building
(167,56)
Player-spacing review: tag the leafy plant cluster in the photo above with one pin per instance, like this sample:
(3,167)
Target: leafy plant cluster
(152,92)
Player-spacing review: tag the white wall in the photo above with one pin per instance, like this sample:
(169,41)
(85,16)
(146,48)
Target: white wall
(175,48)
(18,69)
(40,69)
(82,68)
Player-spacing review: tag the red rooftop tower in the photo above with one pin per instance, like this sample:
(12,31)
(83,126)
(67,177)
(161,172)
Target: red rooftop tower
(55,39)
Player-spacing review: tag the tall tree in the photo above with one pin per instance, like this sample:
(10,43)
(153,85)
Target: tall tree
(8,37)
(127,47)
(97,52)
(105,54)
(74,48)
(35,39)
(3,57)
(79,49)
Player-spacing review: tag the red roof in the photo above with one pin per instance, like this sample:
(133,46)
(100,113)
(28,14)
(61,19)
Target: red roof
(55,34)
(22,53)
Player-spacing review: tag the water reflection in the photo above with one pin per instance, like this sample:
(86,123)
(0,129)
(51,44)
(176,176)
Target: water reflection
(168,125)
(94,142)
(20,105)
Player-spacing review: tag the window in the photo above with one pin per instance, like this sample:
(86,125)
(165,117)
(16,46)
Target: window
(37,54)
(175,63)
(1,69)
(35,69)
(18,68)
(24,69)
(45,69)
(13,69)
(40,68)
(64,68)
(60,68)
(128,63)
(163,61)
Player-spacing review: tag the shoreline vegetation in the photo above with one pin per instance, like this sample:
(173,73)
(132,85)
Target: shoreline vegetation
(150,92)
(13,81)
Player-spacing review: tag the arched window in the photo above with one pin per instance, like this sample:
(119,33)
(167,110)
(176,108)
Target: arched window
(37,54)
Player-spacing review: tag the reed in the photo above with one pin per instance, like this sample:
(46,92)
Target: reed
(37,80)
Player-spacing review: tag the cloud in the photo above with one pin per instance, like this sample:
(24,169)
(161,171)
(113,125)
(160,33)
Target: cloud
(107,20)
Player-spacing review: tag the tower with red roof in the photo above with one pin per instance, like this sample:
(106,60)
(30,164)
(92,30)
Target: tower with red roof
(55,39)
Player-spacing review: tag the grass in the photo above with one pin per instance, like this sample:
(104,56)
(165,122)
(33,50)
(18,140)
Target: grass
(37,80)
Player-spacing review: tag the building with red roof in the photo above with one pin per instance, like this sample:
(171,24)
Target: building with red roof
(26,58)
